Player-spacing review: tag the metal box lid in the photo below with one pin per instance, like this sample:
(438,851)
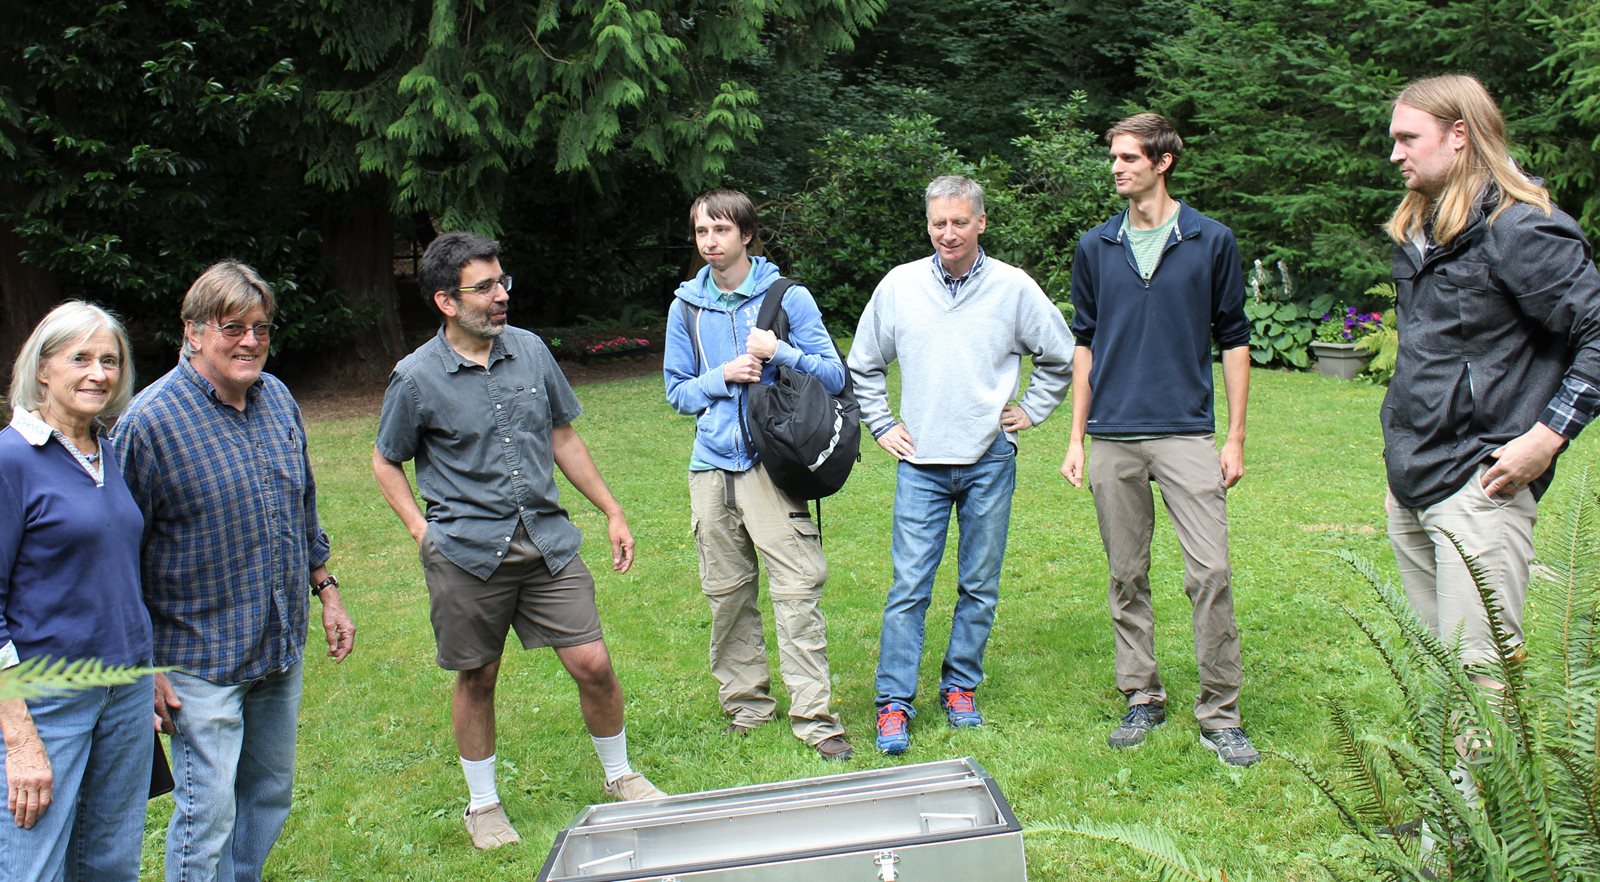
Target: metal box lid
(789,820)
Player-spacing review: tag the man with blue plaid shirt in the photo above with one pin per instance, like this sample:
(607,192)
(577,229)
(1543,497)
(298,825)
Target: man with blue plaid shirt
(215,454)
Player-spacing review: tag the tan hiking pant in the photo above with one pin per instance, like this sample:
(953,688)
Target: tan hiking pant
(1189,473)
(1498,531)
(736,515)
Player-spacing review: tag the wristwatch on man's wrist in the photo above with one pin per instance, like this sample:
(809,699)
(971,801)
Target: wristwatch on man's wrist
(330,582)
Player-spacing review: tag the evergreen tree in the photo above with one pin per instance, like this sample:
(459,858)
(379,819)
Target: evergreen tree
(133,157)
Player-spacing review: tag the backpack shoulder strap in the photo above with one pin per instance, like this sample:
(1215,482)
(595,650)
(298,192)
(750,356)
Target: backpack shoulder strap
(772,313)
(691,323)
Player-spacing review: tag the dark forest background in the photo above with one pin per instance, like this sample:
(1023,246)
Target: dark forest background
(327,141)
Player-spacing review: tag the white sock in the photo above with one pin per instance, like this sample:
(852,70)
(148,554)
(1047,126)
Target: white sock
(613,753)
(480,782)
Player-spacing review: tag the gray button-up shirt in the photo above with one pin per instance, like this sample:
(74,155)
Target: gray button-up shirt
(481,440)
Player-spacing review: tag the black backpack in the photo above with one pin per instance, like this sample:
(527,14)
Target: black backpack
(808,440)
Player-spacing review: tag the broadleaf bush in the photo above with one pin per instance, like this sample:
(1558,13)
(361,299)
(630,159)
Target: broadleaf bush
(1281,325)
(861,214)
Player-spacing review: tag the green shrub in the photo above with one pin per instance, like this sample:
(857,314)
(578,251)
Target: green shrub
(1060,189)
(1281,327)
(862,212)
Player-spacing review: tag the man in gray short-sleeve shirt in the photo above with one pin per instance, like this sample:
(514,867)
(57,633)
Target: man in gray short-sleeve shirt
(487,416)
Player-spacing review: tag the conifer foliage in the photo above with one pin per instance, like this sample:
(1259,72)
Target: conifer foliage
(473,93)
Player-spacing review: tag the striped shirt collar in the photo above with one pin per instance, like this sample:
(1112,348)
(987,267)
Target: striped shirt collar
(37,432)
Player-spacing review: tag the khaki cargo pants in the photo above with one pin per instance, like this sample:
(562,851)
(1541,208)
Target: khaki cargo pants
(735,516)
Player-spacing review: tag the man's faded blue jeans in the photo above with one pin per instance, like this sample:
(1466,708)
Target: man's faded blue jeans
(233,766)
(980,493)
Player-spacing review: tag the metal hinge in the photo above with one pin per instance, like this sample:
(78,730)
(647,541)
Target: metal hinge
(885,862)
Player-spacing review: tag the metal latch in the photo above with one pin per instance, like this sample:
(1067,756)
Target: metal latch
(885,862)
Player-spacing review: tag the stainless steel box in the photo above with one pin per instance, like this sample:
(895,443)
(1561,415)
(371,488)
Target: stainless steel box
(933,821)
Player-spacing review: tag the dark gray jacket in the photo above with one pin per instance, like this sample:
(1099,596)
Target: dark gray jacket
(1489,327)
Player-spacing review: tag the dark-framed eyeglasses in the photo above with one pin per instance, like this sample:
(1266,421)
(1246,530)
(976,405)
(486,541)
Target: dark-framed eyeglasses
(487,288)
(234,330)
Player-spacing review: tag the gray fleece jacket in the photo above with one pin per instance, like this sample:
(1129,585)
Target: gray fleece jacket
(961,359)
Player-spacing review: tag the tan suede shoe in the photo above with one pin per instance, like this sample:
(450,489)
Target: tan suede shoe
(632,786)
(490,828)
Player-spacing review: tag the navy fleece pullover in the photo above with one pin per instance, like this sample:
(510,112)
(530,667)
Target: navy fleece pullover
(1152,340)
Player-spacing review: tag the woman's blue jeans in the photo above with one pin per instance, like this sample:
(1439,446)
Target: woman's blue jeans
(100,743)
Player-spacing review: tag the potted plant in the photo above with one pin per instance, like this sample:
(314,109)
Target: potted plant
(1334,344)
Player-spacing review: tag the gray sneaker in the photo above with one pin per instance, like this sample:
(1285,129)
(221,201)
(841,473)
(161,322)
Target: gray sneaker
(1136,724)
(1230,745)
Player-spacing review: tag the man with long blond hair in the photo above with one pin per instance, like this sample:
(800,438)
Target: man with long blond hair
(1499,365)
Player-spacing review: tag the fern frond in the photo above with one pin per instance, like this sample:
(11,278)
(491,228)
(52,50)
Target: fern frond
(42,675)
(1360,770)
(1158,849)
(1508,667)
(1394,602)
(1350,816)
(1380,853)
(1568,569)
(1398,671)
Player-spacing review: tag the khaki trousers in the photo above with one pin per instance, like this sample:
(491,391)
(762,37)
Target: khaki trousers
(1189,473)
(1497,531)
(736,515)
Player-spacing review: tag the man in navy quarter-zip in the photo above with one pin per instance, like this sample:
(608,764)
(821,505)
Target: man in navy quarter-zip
(736,509)
(1153,288)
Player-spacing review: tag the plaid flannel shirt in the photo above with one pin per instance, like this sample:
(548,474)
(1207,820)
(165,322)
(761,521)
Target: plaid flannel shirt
(231,533)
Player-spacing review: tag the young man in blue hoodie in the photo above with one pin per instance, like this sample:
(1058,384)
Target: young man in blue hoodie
(737,511)
(1153,287)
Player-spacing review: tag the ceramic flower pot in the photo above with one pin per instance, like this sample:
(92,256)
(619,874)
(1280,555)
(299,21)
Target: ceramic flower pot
(1340,360)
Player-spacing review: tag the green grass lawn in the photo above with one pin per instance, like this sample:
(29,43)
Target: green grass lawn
(379,792)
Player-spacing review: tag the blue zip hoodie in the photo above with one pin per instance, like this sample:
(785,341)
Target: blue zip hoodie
(1152,340)
(694,380)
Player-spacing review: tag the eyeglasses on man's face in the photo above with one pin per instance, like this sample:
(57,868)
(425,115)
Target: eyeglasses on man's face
(234,330)
(487,288)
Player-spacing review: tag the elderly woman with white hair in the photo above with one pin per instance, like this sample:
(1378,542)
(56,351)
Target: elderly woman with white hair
(77,764)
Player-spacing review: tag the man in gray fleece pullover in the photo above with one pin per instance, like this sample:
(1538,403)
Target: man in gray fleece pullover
(959,324)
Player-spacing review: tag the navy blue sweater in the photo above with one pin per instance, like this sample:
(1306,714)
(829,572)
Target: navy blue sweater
(69,557)
(1152,340)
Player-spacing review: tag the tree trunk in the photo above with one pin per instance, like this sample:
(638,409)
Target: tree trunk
(359,243)
(27,292)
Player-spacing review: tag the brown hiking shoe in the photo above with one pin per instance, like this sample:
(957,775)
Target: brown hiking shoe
(835,748)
